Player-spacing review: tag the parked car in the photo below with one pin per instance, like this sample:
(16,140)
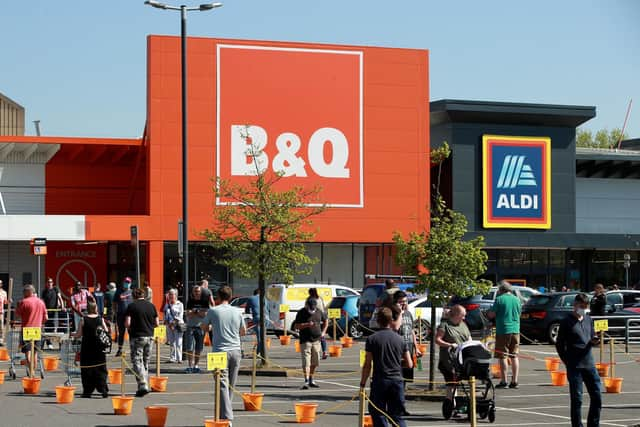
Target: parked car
(369,303)
(623,298)
(424,304)
(240,303)
(476,304)
(294,296)
(541,315)
(347,305)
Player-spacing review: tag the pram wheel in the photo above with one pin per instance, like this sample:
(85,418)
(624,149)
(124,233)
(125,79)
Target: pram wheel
(483,414)
(492,415)
(447,408)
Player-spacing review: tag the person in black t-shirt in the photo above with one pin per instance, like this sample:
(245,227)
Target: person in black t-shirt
(599,301)
(312,324)
(53,301)
(140,319)
(386,350)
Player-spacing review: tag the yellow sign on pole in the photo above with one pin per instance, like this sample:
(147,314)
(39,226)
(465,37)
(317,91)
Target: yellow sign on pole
(419,313)
(284,308)
(601,325)
(334,313)
(160,332)
(31,334)
(216,361)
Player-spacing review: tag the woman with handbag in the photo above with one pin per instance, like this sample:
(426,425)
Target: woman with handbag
(174,319)
(93,359)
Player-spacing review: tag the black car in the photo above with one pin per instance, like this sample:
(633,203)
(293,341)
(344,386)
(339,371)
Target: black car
(541,315)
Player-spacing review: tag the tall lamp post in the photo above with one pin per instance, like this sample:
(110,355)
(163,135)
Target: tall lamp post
(185,195)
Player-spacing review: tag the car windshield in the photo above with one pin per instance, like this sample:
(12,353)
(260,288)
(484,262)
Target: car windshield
(538,301)
(337,302)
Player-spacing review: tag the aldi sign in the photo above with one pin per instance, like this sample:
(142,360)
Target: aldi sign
(516,182)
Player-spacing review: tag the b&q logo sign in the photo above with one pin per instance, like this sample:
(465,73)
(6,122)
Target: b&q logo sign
(301,108)
(516,182)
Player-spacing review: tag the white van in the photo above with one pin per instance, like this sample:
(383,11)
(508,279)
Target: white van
(295,296)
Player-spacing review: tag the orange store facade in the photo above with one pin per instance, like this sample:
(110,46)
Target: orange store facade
(353,120)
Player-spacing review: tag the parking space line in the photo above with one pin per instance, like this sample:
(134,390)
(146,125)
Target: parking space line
(554,416)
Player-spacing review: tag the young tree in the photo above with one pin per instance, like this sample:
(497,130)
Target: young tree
(262,229)
(604,138)
(443,262)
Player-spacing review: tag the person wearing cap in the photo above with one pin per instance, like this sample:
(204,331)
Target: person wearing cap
(121,300)
(506,312)
(79,299)
(312,325)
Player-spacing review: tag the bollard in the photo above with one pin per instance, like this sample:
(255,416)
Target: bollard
(346,324)
(420,330)
(157,357)
(216,375)
(123,374)
(361,408)
(612,358)
(253,370)
(32,363)
(472,405)
(601,346)
(334,330)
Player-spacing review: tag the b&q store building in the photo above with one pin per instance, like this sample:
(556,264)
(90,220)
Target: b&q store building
(354,120)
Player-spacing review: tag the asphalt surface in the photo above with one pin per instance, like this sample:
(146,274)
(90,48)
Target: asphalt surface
(190,396)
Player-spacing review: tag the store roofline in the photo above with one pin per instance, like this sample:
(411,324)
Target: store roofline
(136,142)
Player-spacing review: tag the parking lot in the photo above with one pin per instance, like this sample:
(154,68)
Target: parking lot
(190,396)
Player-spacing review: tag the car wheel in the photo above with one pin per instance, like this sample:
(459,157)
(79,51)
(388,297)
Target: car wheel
(355,331)
(426,330)
(553,332)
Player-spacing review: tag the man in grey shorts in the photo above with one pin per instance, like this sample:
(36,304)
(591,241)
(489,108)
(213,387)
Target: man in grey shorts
(312,324)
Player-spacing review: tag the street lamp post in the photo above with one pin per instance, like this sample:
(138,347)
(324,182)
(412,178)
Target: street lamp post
(185,195)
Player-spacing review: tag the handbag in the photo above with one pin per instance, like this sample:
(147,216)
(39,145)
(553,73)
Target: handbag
(103,340)
(177,322)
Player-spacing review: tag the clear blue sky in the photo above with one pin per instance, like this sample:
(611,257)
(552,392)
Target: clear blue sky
(79,66)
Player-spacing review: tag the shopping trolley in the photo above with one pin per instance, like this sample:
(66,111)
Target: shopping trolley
(70,356)
(17,356)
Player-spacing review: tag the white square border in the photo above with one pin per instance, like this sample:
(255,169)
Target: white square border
(220,46)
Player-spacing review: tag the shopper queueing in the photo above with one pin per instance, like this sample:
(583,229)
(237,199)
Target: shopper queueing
(227,326)
(174,319)
(33,313)
(140,319)
(53,302)
(312,324)
(93,361)
(506,312)
(4,301)
(197,308)
(121,300)
(387,351)
(253,308)
(79,299)
(576,336)
(313,293)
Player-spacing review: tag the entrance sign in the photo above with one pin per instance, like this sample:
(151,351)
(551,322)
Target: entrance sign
(516,182)
(302,118)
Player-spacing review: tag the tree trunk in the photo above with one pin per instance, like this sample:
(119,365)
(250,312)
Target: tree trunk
(262,350)
(432,347)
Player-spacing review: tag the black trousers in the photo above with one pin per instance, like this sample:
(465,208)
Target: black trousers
(94,379)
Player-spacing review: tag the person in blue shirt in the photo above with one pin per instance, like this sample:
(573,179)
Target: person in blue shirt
(98,296)
(253,308)
(121,301)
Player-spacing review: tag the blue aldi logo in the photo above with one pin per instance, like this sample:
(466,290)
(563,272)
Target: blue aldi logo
(516,182)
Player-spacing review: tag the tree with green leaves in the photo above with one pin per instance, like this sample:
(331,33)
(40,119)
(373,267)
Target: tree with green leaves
(443,262)
(604,138)
(262,229)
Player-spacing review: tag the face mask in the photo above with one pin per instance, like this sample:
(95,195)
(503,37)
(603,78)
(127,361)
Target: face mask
(127,285)
(580,312)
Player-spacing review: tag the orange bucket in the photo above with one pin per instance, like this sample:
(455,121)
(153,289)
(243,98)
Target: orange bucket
(156,415)
(297,345)
(268,343)
(31,385)
(558,378)
(368,421)
(207,340)
(613,385)
(495,370)
(214,423)
(335,351)
(2,374)
(306,412)
(252,401)
(285,339)
(158,383)
(4,354)
(551,363)
(422,348)
(64,394)
(346,342)
(115,376)
(50,363)
(122,405)
(603,369)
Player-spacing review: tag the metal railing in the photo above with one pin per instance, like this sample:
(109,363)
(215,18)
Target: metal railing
(629,331)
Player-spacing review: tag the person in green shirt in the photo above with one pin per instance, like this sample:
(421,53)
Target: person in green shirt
(506,312)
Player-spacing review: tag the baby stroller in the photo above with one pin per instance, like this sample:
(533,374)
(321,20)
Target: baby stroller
(472,359)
